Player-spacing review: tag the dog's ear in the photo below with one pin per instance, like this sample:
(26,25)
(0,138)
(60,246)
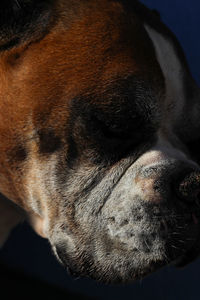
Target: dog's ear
(23,20)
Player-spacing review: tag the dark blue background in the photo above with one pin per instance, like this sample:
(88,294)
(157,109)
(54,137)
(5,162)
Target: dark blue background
(33,254)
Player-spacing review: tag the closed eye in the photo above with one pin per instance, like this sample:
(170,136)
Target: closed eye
(112,130)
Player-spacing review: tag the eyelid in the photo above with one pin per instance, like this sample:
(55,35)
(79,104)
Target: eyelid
(111,130)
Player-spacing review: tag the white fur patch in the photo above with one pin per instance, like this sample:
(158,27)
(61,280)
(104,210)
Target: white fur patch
(172,70)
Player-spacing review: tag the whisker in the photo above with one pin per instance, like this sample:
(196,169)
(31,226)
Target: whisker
(173,246)
(17,3)
(181,241)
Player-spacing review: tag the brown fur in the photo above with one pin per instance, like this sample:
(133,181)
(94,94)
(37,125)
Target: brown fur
(92,138)
(40,79)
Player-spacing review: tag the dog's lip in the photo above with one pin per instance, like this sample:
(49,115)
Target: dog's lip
(193,252)
(190,255)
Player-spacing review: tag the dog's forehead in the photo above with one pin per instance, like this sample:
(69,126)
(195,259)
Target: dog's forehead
(103,34)
(102,44)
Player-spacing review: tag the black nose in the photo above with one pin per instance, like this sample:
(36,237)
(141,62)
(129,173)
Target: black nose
(188,187)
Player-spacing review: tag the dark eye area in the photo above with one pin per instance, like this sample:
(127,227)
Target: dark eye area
(116,135)
(112,129)
(117,120)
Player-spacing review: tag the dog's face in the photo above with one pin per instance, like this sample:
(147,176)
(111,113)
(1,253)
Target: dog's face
(98,108)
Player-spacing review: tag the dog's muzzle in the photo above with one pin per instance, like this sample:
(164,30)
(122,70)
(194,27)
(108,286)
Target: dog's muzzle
(150,219)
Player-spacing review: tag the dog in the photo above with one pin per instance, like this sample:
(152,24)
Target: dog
(99,135)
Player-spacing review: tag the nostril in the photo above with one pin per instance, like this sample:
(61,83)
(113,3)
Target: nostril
(188,188)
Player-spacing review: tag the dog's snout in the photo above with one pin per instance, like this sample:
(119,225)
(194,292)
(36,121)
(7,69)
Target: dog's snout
(162,182)
(188,187)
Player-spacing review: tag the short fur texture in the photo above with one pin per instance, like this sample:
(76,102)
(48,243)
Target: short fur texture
(97,147)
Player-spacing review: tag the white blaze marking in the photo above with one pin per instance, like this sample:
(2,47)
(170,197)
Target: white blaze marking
(172,70)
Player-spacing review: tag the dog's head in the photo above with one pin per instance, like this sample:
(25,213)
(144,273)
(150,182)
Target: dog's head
(97,109)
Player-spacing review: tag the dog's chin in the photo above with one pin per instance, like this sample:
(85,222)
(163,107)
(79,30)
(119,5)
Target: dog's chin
(121,272)
(124,266)
(129,274)
(189,256)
